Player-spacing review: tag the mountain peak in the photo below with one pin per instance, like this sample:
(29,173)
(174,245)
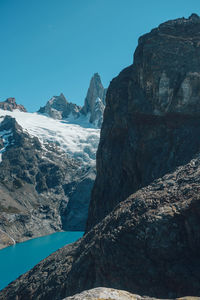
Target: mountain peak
(194,17)
(95,100)
(59,108)
(10,104)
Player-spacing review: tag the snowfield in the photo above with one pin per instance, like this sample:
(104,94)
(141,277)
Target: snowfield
(79,139)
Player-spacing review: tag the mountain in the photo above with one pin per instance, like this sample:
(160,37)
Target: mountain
(91,113)
(94,104)
(40,187)
(10,104)
(143,228)
(59,108)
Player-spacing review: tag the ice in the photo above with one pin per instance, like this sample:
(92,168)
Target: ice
(4,134)
(76,137)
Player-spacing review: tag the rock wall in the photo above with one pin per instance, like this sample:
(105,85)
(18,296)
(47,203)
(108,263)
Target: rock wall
(151,121)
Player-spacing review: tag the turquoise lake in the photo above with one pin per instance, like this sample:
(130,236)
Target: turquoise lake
(18,259)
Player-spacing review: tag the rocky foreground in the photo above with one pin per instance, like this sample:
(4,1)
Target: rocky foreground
(102,293)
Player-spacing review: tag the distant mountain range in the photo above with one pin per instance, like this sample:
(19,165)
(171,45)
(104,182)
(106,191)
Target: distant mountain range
(47,164)
(59,108)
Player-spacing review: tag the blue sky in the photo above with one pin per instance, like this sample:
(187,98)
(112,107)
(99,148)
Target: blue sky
(53,46)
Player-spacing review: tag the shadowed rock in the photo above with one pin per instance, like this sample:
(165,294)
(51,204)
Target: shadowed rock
(151,121)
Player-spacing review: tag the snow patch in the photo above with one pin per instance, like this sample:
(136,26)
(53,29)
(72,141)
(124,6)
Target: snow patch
(74,136)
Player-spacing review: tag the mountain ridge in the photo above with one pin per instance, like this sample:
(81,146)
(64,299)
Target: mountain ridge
(59,108)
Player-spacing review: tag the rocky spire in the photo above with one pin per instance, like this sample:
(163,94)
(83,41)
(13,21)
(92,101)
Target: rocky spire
(95,100)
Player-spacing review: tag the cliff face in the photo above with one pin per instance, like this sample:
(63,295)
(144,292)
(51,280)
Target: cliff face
(151,121)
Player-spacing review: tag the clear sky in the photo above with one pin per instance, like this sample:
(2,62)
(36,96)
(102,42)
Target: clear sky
(53,46)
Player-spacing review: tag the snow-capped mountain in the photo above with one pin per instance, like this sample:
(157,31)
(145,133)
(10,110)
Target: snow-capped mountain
(47,171)
(91,113)
(94,104)
(59,108)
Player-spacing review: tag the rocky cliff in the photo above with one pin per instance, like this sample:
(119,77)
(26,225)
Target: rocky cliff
(39,186)
(151,121)
(10,104)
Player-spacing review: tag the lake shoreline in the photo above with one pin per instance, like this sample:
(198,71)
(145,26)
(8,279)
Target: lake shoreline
(17,259)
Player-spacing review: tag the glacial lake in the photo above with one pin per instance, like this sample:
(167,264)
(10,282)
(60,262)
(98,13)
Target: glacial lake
(18,259)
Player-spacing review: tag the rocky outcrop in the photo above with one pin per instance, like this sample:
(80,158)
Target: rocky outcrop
(148,245)
(95,101)
(108,294)
(151,121)
(10,104)
(102,293)
(59,108)
(34,187)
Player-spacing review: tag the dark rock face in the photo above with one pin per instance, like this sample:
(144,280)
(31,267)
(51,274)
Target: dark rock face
(148,245)
(59,108)
(151,121)
(10,104)
(95,100)
(33,179)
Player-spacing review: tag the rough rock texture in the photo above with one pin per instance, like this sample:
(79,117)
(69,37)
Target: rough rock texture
(10,104)
(95,101)
(151,121)
(103,293)
(59,108)
(148,245)
(37,182)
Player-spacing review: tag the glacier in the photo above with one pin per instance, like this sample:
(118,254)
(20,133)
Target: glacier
(78,138)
